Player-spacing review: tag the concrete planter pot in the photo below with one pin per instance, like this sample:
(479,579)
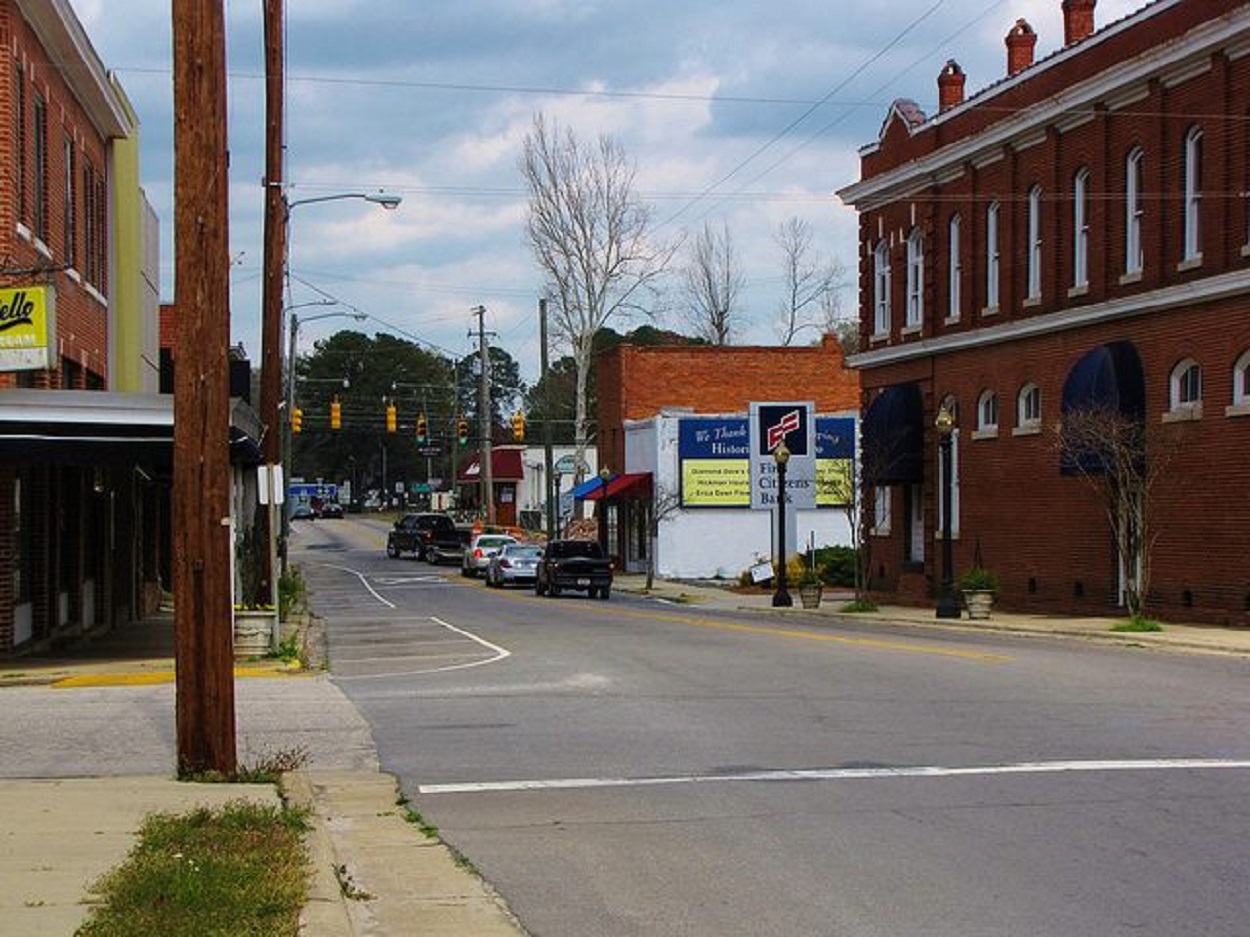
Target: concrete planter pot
(978,602)
(809,595)
(255,631)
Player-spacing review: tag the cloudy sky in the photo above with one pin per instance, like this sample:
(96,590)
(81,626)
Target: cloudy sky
(738,112)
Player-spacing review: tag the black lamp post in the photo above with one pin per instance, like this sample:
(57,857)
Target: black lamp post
(948,605)
(781,598)
(605,474)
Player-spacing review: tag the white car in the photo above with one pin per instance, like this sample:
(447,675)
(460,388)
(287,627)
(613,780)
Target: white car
(479,551)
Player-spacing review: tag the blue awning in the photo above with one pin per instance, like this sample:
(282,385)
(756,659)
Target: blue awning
(1110,379)
(592,484)
(893,449)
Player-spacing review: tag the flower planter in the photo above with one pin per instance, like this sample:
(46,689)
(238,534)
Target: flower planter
(809,595)
(978,602)
(254,630)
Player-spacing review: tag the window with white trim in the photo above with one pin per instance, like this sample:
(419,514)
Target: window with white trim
(952,407)
(1193,195)
(881,510)
(987,413)
(915,278)
(991,256)
(1133,259)
(1029,407)
(1080,229)
(1185,390)
(1241,381)
(1035,243)
(954,292)
(881,289)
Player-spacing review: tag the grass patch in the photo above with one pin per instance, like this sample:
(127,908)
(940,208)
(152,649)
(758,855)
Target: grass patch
(238,869)
(1137,624)
(858,606)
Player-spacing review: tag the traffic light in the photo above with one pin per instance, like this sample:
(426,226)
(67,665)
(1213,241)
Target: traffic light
(518,426)
(423,430)
(297,420)
(392,418)
(462,430)
(336,414)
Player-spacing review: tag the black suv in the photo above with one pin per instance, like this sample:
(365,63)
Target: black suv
(416,533)
(574,564)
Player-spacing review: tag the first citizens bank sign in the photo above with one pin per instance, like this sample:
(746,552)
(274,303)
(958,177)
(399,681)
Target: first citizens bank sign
(27,328)
(727,462)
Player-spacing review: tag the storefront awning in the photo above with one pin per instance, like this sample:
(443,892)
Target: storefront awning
(1108,377)
(624,485)
(893,450)
(505,466)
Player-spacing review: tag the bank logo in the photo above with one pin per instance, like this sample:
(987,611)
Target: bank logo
(779,423)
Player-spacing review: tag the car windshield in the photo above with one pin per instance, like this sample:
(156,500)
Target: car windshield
(572,548)
(524,552)
(491,543)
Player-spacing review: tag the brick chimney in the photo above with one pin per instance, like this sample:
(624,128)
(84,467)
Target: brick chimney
(950,85)
(1020,43)
(1078,20)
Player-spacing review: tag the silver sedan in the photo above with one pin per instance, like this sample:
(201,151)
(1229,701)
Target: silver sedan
(515,564)
(478,553)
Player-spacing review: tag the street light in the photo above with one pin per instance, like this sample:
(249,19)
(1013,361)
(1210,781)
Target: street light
(605,475)
(781,598)
(385,199)
(947,606)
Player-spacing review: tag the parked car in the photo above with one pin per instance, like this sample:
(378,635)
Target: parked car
(479,551)
(302,511)
(418,533)
(516,563)
(574,564)
(331,509)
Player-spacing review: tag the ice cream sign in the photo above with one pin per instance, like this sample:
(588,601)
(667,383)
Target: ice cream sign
(27,328)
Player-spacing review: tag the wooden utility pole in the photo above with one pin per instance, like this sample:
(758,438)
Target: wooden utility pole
(484,419)
(271,316)
(201,510)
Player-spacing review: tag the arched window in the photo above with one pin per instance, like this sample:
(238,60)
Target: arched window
(1241,381)
(1133,212)
(1029,408)
(1035,243)
(954,291)
(991,257)
(915,278)
(881,289)
(987,414)
(1193,196)
(1185,388)
(1080,229)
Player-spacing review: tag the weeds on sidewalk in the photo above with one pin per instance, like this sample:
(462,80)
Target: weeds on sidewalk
(1137,623)
(238,869)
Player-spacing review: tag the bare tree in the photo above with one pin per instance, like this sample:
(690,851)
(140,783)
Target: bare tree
(712,281)
(810,283)
(664,504)
(592,237)
(1124,460)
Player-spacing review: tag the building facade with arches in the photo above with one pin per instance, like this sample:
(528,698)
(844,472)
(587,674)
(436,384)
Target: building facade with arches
(1075,237)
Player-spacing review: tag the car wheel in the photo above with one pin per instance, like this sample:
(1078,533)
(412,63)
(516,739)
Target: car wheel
(392,551)
(553,590)
(539,588)
(605,592)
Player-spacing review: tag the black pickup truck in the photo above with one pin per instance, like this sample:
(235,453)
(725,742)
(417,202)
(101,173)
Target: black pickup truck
(574,564)
(430,536)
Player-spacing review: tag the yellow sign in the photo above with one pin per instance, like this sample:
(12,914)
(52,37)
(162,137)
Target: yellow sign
(27,328)
(833,482)
(722,483)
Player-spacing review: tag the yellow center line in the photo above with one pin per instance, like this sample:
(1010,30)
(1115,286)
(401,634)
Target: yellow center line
(880,644)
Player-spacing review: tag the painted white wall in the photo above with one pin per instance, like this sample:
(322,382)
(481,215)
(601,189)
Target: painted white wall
(713,543)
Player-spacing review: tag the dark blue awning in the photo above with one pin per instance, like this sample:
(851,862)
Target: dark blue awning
(1107,379)
(894,436)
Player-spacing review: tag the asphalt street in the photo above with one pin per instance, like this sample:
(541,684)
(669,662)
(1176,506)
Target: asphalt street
(628,767)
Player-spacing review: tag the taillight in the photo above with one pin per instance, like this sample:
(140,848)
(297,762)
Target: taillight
(477,553)
(506,564)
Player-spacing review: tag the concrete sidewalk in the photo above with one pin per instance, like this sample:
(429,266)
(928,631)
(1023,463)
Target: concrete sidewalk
(87,747)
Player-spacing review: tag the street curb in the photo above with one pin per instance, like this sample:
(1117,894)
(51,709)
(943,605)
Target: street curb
(325,912)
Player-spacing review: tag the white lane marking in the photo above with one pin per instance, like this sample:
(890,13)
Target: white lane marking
(841,774)
(363,581)
(500,653)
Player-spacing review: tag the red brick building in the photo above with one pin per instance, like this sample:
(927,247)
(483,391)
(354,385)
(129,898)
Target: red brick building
(1078,231)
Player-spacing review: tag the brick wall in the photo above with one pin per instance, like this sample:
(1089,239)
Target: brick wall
(635,382)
